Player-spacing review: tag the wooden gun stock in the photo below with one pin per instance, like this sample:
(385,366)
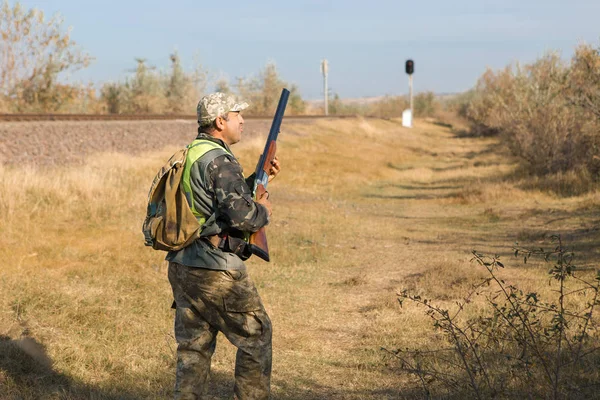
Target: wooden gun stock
(258,240)
(270,157)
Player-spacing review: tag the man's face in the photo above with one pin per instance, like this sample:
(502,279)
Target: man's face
(233,128)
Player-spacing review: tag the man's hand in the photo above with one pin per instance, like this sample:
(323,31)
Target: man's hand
(263,199)
(275,169)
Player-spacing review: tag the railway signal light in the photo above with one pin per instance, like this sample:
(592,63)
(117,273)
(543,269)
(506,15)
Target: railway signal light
(410,67)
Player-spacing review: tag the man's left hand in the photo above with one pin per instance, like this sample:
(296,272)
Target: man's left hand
(275,169)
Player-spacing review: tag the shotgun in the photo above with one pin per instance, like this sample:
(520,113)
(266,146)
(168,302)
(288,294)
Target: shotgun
(258,240)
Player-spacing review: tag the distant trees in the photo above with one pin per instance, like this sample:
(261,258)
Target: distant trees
(150,91)
(425,104)
(34,53)
(37,53)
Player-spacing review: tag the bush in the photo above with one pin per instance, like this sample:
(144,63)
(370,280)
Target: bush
(520,346)
(339,107)
(584,80)
(459,104)
(388,107)
(4,105)
(547,112)
(425,105)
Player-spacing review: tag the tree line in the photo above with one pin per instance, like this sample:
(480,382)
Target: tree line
(35,52)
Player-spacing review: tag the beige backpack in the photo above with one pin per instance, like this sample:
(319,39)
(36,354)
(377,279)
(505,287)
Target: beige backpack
(170,223)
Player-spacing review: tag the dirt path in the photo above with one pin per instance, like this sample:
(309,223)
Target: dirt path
(447,198)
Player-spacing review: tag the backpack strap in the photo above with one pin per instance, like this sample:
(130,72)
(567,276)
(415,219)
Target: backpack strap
(204,152)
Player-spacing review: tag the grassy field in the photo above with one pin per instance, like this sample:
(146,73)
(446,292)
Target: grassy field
(362,210)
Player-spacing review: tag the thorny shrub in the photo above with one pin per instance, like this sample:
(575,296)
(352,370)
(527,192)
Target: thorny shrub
(520,346)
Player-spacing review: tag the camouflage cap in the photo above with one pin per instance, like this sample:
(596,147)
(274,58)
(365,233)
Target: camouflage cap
(215,104)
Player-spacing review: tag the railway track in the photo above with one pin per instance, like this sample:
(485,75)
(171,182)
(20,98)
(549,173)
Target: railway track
(130,117)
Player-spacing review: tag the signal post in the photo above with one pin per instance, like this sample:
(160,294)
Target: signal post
(407,115)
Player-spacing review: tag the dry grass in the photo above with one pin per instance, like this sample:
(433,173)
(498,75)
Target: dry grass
(363,208)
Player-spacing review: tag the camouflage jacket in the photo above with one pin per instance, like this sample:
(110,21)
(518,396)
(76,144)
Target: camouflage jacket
(233,211)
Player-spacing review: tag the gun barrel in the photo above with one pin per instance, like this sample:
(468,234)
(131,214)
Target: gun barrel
(273,132)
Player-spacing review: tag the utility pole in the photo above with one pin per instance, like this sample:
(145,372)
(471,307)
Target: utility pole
(324,70)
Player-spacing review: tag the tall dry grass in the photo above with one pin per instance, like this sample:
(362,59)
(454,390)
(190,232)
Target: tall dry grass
(77,278)
(362,209)
(71,266)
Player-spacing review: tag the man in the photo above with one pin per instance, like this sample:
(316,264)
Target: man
(210,283)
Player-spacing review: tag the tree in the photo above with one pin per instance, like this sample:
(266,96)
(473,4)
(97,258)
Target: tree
(296,104)
(183,88)
(112,94)
(177,86)
(263,92)
(145,94)
(34,53)
(222,86)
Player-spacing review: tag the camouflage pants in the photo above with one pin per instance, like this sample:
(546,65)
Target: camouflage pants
(209,301)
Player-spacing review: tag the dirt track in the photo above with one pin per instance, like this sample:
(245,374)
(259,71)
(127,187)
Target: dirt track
(51,143)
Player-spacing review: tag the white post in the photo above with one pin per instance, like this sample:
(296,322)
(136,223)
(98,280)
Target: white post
(324,70)
(407,115)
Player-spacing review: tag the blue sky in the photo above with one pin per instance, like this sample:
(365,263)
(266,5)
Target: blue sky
(366,42)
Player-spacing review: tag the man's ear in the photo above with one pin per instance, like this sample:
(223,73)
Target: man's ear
(219,124)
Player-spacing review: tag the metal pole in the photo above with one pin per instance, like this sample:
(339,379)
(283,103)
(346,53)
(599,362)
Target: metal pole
(324,70)
(326,97)
(410,89)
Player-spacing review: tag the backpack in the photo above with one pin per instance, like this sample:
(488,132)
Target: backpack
(170,223)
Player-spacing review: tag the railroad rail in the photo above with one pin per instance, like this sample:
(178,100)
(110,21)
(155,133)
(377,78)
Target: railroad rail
(132,117)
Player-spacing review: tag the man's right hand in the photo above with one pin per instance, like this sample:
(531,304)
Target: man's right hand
(263,199)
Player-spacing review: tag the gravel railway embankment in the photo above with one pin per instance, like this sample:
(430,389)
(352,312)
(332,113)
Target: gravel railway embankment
(54,143)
